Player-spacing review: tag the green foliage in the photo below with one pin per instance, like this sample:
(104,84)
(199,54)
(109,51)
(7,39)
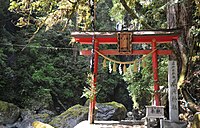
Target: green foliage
(163,71)
(107,84)
(30,75)
(91,91)
(117,12)
(149,12)
(3,58)
(3,6)
(140,84)
(197,7)
(50,12)
(104,22)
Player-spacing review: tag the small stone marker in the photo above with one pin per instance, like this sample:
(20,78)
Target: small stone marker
(155,111)
(173,91)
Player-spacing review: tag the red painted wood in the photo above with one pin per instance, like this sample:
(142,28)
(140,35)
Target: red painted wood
(88,40)
(155,74)
(134,52)
(136,39)
(93,101)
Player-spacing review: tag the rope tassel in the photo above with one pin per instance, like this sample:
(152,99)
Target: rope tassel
(144,63)
(135,66)
(104,63)
(120,69)
(114,67)
(124,68)
(110,67)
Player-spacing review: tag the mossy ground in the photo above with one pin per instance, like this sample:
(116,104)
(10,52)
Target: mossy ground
(3,106)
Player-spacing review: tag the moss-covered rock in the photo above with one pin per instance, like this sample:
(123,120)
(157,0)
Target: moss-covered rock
(78,113)
(9,113)
(71,117)
(196,120)
(110,111)
(27,117)
(45,117)
(37,124)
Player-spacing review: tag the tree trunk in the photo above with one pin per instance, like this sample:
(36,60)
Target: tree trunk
(134,15)
(179,15)
(174,14)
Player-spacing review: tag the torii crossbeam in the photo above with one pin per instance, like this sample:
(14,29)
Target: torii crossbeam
(125,40)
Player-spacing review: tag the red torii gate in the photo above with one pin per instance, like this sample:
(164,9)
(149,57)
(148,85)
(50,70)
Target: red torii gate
(125,39)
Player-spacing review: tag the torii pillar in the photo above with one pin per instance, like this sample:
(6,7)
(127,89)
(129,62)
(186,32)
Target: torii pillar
(155,73)
(93,84)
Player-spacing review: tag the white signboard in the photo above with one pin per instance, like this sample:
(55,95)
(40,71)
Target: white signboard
(155,111)
(173,92)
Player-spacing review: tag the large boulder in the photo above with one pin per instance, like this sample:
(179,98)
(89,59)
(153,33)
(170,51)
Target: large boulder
(9,113)
(71,117)
(110,111)
(78,113)
(28,117)
(44,116)
(27,123)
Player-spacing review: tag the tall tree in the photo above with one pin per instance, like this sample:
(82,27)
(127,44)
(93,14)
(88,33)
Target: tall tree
(179,15)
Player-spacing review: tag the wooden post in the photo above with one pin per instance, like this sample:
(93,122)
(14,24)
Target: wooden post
(93,100)
(155,73)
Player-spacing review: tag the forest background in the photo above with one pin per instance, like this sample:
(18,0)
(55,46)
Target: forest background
(41,67)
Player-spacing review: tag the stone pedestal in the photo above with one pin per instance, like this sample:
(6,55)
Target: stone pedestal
(169,124)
